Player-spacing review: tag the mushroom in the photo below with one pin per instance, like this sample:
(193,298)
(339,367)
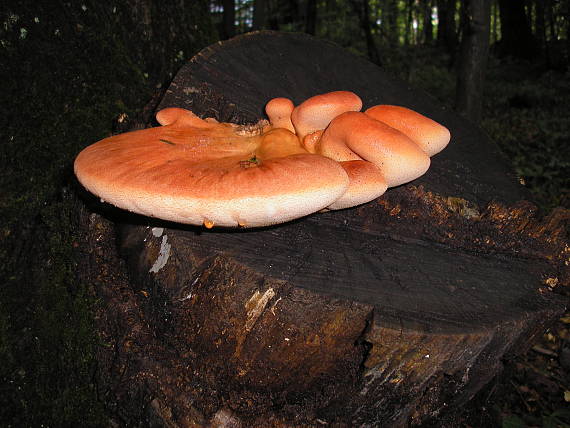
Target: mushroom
(321,154)
(180,117)
(425,132)
(279,113)
(356,136)
(366,184)
(198,171)
(316,113)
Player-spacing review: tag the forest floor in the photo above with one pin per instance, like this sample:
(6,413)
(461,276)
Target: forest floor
(46,341)
(525,112)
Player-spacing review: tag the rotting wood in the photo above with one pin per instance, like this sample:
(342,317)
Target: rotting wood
(383,314)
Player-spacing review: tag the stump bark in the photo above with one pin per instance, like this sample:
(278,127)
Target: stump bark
(386,314)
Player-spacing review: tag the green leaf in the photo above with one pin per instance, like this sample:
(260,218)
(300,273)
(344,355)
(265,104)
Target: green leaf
(513,421)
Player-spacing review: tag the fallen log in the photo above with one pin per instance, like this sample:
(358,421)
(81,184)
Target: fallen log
(385,314)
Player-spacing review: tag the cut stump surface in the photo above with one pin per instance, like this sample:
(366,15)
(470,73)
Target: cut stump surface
(384,314)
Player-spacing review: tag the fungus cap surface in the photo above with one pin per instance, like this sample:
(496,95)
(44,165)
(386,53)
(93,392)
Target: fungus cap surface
(316,113)
(366,184)
(206,173)
(279,113)
(356,136)
(431,136)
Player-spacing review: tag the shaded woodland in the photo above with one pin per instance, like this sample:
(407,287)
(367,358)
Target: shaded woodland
(466,40)
(75,72)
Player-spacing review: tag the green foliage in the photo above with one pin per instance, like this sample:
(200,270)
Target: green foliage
(557,419)
(524,112)
(513,421)
(527,117)
(426,67)
(338,22)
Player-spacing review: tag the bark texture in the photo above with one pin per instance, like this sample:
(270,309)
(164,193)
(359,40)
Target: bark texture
(382,315)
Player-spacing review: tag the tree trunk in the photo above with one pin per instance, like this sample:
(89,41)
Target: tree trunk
(446,32)
(473,58)
(259,14)
(379,315)
(229,19)
(311,17)
(494,23)
(428,25)
(540,27)
(273,15)
(567,14)
(362,10)
(390,22)
(164,30)
(141,13)
(292,10)
(441,22)
(516,35)
(408,35)
(549,15)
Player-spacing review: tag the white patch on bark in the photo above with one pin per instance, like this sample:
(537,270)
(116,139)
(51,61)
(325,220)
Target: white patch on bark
(157,231)
(256,305)
(163,255)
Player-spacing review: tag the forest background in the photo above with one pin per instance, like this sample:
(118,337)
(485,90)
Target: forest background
(72,72)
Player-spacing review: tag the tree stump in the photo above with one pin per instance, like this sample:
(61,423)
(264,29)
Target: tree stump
(386,314)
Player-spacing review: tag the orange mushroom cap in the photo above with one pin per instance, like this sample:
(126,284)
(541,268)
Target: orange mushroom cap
(425,132)
(200,172)
(279,112)
(182,118)
(317,112)
(356,136)
(366,184)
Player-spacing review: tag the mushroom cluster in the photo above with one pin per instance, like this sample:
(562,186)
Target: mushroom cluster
(322,154)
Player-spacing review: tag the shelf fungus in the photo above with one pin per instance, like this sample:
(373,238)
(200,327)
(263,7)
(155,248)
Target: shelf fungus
(321,154)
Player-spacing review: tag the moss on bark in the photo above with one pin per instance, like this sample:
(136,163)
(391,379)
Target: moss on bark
(68,69)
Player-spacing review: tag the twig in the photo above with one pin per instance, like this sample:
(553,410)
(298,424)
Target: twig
(528,408)
(544,351)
